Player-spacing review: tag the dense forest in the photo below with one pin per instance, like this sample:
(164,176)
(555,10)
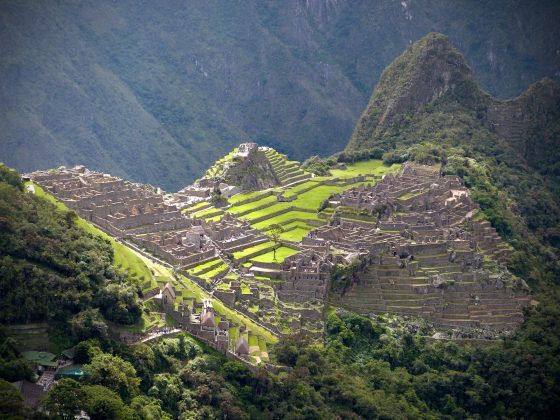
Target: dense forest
(52,270)
(364,370)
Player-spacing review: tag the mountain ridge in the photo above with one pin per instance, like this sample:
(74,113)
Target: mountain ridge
(431,72)
(157,93)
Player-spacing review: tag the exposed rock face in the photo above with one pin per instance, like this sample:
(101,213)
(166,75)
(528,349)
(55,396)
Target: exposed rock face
(253,168)
(428,70)
(250,169)
(530,122)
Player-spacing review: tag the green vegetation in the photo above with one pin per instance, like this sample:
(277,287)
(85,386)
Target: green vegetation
(124,257)
(136,90)
(52,269)
(368,167)
(287,217)
(247,207)
(251,250)
(275,256)
(296,234)
(456,131)
(368,368)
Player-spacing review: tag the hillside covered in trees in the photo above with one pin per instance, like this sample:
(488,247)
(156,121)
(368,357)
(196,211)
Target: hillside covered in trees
(157,93)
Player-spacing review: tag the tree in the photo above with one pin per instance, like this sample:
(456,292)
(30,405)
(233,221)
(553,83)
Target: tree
(11,402)
(275,231)
(10,176)
(149,408)
(66,399)
(89,324)
(114,373)
(103,403)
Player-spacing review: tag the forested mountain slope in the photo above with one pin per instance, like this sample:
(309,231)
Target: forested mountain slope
(157,91)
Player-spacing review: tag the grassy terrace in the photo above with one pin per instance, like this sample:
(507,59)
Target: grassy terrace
(238,198)
(281,254)
(287,217)
(215,271)
(296,234)
(309,197)
(368,167)
(248,206)
(198,268)
(193,207)
(248,251)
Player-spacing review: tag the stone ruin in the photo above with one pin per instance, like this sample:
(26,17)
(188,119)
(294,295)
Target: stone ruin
(424,252)
(300,285)
(248,169)
(129,211)
(202,325)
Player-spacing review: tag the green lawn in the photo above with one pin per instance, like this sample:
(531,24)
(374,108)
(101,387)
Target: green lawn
(204,212)
(367,167)
(208,264)
(248,251)
(297,224)
(245,207)
(214,271)
(298,188)
(244,196)
(295,235)
(286,217)
(264,212)
(281,254)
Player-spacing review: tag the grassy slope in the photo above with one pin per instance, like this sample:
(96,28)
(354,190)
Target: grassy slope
(125,258)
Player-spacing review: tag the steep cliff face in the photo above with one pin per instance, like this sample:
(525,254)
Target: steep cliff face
(430,69)
(251,173)
(429,93)
(509,151)
(531,125)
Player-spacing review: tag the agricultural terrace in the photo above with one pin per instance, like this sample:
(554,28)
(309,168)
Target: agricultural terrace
(150,274)
(297,212)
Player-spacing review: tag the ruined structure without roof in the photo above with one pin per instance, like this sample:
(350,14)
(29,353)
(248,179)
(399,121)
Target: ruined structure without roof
(416,238)
(427,254)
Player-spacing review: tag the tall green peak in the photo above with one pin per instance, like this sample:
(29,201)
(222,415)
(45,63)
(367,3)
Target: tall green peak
(428,70)
(429,100)
(429,93)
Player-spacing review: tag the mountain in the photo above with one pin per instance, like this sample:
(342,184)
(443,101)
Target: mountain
(157,92)
(432,73)
(429,107)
